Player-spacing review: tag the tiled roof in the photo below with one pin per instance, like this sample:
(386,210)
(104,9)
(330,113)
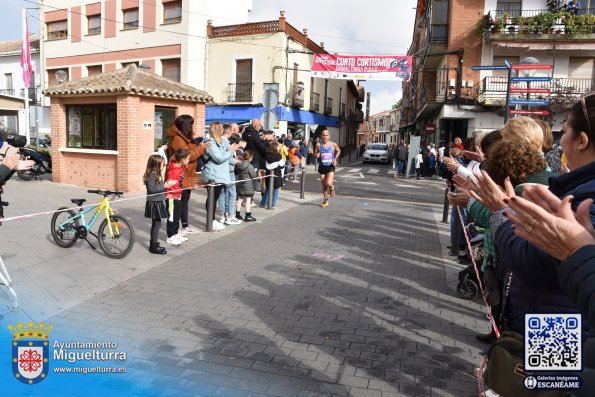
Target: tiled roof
(13,47)
(129,80)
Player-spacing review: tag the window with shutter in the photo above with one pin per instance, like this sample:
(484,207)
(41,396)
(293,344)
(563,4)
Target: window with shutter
(94,70)
(172,12)
(57,30)
(130,18)
(171,69)
(94,24)
(243,87)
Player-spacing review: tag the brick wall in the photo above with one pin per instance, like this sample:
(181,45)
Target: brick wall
(462,34)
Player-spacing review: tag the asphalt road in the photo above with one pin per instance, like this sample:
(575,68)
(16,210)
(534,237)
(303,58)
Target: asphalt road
(376,181)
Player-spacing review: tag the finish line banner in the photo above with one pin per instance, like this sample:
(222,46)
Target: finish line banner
(362,67)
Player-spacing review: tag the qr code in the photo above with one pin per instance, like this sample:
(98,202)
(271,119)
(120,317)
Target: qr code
(553,342)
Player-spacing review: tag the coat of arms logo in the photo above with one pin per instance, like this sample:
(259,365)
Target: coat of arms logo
(30,351)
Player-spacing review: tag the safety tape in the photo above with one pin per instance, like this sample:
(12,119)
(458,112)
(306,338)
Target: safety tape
(489,309)
(144,196)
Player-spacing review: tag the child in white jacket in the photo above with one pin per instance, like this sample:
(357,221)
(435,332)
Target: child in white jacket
(419,160)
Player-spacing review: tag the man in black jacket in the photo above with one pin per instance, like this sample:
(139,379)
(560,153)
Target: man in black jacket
(251,136)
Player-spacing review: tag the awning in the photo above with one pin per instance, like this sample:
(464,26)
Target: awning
(242,113)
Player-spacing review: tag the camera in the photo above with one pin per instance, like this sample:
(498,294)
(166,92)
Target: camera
(18,141)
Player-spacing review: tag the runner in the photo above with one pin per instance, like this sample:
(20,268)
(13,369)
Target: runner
(327,153)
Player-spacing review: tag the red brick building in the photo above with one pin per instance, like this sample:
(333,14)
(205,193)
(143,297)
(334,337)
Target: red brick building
(104,127)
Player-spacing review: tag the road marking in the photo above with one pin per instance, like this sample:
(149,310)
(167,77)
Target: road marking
(373,171)
(391,172)
(412,186)
(354,170)
(366,183)
(357,175)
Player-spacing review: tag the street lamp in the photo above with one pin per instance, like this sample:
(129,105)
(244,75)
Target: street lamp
(61,76)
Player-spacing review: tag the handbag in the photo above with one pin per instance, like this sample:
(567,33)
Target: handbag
(503,369)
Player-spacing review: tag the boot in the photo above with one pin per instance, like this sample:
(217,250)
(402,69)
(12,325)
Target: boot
(155,248)
(238,215)
(249,217)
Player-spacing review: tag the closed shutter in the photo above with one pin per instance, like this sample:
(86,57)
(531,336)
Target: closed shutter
(243,89)
(171,69)
(581,68)
(499,60)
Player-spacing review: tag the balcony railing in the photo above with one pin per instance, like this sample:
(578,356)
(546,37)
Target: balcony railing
(314,102)
(532,13)
(328,105)
(439,33)
(494,88)
(21,93)
(240,92)
(8,91)
(433,92)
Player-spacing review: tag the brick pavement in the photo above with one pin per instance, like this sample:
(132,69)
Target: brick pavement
(351,300)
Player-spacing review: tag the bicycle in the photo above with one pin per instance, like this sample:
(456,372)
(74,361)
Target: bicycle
(115,233)
(4,276)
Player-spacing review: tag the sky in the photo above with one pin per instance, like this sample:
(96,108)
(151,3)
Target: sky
(369,27)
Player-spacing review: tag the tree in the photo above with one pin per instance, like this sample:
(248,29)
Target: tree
(398,104)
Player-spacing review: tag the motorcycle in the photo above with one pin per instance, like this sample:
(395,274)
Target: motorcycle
(43,163)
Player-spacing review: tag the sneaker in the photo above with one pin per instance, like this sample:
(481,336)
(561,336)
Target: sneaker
(223,219)
(233,221)
(324,204)
(173,240)
(218,225)
(181,238)
(187,230)
(249,218)
(239,217)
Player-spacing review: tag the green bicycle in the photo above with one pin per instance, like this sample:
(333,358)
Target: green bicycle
(115,233)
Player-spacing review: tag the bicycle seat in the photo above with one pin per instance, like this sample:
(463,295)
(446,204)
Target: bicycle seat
(78,202)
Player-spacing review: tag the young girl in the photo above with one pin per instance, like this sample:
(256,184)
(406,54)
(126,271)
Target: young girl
(155,207)
(245,173)
(175,172)
(274,165)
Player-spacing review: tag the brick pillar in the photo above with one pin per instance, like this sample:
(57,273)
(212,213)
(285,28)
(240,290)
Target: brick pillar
(58,136)
(129,132)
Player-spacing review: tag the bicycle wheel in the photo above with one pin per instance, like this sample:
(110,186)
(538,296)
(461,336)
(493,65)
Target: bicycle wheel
(64,236)
(121,243)
(25,175)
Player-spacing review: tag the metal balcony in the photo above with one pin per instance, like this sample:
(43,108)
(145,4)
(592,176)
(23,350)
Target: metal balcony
(439,33)
(314,102)
(240,92)
(328,105)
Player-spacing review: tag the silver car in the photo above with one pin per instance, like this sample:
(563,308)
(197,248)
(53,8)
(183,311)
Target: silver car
(377,152)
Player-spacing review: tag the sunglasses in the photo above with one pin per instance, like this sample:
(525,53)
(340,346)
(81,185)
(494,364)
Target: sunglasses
(584,103)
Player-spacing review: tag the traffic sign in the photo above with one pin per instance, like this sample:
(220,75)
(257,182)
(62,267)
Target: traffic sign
(535,102)
(535,66)
(489,67)
(268,120)
(529,79)
(530,112)
(519,90)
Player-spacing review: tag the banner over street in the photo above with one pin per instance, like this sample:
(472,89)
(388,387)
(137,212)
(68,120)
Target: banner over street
(362,67)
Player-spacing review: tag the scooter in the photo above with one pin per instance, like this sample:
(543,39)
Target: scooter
(43,163)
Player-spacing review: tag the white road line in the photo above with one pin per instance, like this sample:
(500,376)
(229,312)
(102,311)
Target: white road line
(357,175)
(365,183)
(411,186)
(373,171)
(354,170)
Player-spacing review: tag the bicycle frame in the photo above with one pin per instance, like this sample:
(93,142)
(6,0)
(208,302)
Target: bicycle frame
(103,206)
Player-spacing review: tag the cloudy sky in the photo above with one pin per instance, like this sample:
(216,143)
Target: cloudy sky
(368,27)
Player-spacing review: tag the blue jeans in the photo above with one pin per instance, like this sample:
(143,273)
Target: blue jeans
(454,213)
(265,199)
(227,200)
(401,166)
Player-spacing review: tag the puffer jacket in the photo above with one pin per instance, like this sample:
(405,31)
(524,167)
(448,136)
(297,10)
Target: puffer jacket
(274,164)
(535,287)
(244,171)
(216,163)
(577,277)
(177,140)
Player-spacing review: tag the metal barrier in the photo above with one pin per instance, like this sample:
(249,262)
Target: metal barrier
(446,204)
(271,190)
(210,207)
(303,184)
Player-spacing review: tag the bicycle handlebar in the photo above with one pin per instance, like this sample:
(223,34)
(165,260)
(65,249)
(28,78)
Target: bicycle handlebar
(105,193)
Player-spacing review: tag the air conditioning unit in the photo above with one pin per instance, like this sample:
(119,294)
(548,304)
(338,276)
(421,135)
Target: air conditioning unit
(469,83)
(452,83)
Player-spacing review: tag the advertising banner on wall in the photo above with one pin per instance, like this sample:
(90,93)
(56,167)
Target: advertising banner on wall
(362,67)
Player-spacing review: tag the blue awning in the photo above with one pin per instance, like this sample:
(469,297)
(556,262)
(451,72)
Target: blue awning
(243,113)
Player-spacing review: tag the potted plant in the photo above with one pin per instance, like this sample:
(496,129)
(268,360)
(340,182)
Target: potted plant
(584,23)
(546,21)
(523,24)
(506,18)
(484,24)
(570,24)
(497,26)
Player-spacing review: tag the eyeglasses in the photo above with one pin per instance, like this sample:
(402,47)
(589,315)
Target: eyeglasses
(584,103)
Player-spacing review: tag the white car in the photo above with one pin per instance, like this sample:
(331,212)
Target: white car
(377,152)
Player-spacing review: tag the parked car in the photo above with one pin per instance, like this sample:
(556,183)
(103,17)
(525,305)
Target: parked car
(377,152)
(44,143)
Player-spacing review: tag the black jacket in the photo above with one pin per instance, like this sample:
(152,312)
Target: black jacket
(254,144)
(244,171)
(275,164)
(577,278)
